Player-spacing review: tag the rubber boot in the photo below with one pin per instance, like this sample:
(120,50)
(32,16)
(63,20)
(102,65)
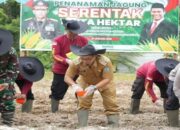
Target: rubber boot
(27,106)
(54,105)
(7,118)
(164,104)
(173,117)
(134,108)
(113,121)
(82,118)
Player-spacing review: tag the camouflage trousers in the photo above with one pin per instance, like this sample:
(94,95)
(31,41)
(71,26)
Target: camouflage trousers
(7,106)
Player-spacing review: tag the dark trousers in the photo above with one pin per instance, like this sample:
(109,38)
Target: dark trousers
(58,87)
(30,95)
(138,88)
(172,102)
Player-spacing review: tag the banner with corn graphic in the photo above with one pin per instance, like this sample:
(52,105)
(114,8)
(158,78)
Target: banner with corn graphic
(33,41)
(163,45)
(114,25)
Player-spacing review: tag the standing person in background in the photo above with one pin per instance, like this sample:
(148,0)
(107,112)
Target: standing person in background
(31,70)
(146,75)
(60,48)
(159,27)
(95,73)
(8,74)
(48,28)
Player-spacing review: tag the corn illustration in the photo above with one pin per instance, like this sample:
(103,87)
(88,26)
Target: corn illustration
(33,40)
(26,36)
(24,39)
(173,42)
(164,45)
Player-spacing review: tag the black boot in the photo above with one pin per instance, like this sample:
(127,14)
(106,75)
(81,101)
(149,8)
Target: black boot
(134,108)
(54,105)
(27,106)
(113,121)
(173,117)
(82,118)
(164,104)
(7,118)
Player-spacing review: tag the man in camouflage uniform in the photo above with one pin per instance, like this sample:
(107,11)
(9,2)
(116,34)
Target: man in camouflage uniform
(8,74)
(95,73)
(48,28)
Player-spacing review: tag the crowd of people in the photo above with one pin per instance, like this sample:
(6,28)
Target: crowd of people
(91,71)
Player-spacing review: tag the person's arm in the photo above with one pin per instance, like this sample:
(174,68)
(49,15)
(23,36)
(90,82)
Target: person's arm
(69,80)
(149,81)
(26,86)
(70,74)
(56,53)
(149,89)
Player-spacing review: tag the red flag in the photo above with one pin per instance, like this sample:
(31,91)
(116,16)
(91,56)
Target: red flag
(29,3)
(172,4)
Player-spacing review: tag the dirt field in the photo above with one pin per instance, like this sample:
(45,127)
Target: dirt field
(150,118)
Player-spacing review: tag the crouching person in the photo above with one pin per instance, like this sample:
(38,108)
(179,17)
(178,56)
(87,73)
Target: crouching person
(176,89)
(8,74)
(95,73)
(167,67)
(172,104)
(31,70)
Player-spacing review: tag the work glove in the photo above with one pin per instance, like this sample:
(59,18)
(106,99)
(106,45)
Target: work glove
(20,98)
(90,90)
(19,95)
(158,103)
(76,88)
(68,61)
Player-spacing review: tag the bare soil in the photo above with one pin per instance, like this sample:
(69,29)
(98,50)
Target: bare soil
(149,118)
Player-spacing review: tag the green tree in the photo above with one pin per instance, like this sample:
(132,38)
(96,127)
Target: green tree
(10,19)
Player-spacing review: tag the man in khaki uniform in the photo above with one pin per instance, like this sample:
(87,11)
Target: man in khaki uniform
(95,73)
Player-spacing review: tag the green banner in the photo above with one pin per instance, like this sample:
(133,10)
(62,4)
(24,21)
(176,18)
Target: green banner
(117,25)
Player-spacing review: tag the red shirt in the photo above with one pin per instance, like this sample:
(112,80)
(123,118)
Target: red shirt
(151,74)
(26,85)
(60,48)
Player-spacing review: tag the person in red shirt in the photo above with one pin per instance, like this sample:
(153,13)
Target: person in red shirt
(31,70)
(60,49)
(146,75)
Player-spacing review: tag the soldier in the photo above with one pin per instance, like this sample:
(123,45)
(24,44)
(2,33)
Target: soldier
(48,28)
(8,74)
(95,73)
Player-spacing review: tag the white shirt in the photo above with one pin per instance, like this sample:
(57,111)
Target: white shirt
(176,85)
